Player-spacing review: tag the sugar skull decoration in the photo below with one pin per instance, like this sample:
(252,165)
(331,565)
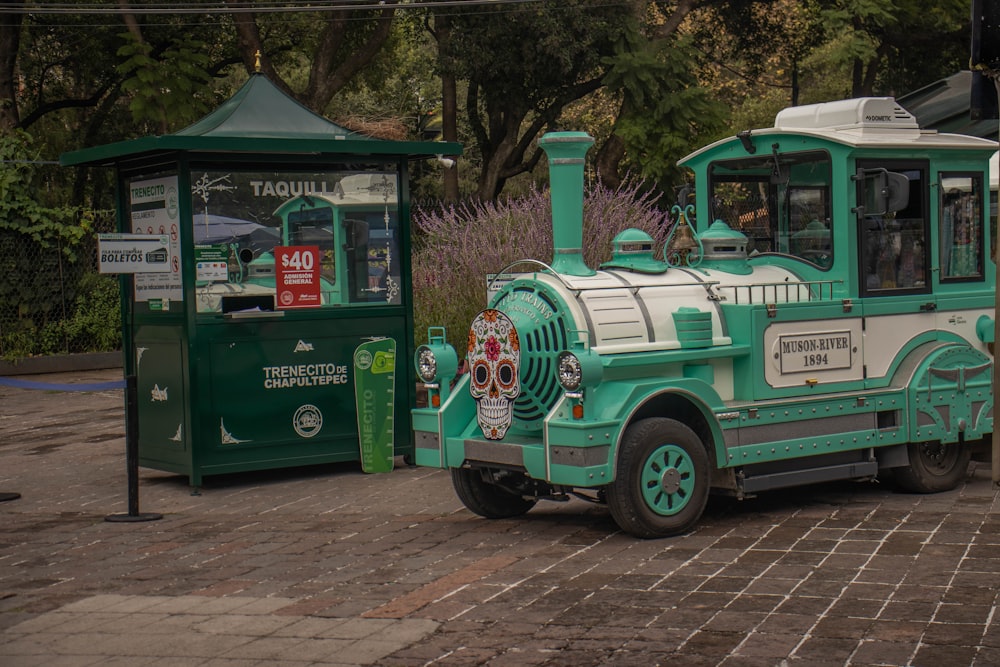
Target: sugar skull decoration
(495,363)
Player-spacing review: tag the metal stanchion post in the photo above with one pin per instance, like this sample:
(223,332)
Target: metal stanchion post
(132,457)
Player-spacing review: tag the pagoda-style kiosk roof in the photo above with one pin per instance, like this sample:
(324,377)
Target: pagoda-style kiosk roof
(259,118)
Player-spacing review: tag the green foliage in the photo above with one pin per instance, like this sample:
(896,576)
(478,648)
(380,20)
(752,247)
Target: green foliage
(168,86)
(41,248)
(95,322)
(52,228)
(525,58)
(896,46)
(398,84)
(523,67)
(93,325)
(668,114)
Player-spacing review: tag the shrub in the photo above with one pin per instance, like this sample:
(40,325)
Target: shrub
(44,251)
(457,246)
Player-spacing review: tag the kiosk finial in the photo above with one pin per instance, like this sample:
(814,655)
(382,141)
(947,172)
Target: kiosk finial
(256,61)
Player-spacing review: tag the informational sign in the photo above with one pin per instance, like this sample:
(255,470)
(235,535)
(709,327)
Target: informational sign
(153,209)
(374,391)
(133,253)
(211,263)
(815,351)
(296,270)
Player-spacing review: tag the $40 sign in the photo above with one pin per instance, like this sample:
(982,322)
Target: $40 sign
(297,276)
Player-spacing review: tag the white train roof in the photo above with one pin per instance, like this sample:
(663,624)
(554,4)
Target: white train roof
(860,122)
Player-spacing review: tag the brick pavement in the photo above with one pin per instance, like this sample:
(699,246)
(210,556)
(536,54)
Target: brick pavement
(328,566)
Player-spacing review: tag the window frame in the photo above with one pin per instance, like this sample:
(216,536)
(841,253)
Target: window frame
(979,184)
(863,237)
(774,172)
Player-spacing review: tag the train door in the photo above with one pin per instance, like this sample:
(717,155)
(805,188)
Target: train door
(893,218)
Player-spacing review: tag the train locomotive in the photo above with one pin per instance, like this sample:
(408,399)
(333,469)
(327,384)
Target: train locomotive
(823,310)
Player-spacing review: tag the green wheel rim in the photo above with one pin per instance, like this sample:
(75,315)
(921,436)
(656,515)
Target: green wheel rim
(668,480)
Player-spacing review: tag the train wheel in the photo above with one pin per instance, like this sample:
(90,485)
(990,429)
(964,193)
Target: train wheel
(933,467)
(661,486)
(485,499)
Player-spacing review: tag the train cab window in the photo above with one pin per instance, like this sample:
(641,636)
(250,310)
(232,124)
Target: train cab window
(961,227)
(781,202)
(893,230)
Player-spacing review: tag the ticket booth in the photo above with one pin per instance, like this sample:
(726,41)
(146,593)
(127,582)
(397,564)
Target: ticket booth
(271,338)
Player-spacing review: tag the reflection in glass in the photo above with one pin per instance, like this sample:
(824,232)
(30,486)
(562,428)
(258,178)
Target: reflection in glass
(351,216)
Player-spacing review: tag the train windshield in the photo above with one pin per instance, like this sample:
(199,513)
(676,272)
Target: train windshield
(781,202)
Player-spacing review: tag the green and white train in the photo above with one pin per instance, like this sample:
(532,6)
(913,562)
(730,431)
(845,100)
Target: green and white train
(829,316)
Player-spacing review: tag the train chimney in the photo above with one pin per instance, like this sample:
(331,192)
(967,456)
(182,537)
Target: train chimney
(566,152)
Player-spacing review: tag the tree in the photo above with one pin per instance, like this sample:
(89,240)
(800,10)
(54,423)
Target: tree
(656,74)
(663,111)
(894,45)
(760,69)
(10,41)
(523,68)
(346,43)
(440,26)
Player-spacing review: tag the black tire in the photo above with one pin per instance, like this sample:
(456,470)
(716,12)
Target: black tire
(662,482)
(933,467)
(485,499)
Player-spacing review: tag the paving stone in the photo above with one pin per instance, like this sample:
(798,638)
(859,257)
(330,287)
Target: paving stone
(286,567)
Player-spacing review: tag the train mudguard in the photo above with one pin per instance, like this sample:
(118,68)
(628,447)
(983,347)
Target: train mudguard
(688,400)
(950,398)
(433,426)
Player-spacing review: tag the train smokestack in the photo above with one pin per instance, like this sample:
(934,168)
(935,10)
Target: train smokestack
(566,152)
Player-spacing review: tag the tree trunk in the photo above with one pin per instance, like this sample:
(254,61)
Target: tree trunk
(611,153)
(609,156)
(10,42)
(795,83)
(130,21)
(449,103)
(331,70)
(491,178)
(251,48)
(449,132)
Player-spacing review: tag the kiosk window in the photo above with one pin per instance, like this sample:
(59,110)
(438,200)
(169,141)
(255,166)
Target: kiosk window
(242,221)
(961,227)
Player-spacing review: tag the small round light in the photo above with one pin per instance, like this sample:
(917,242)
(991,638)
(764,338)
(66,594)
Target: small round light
(570,371)
(426,364)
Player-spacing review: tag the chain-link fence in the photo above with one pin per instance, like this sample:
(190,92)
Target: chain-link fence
(52,299)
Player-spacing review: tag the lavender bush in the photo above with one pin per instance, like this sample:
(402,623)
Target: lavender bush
(457,246)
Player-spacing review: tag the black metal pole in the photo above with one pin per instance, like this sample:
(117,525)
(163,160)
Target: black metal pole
(132,456)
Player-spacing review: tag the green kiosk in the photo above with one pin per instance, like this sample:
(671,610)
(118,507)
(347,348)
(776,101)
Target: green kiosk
(271,337)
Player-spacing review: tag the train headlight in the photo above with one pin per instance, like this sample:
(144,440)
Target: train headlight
(426,363)
(436,364)
(578,368)
(570,371)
